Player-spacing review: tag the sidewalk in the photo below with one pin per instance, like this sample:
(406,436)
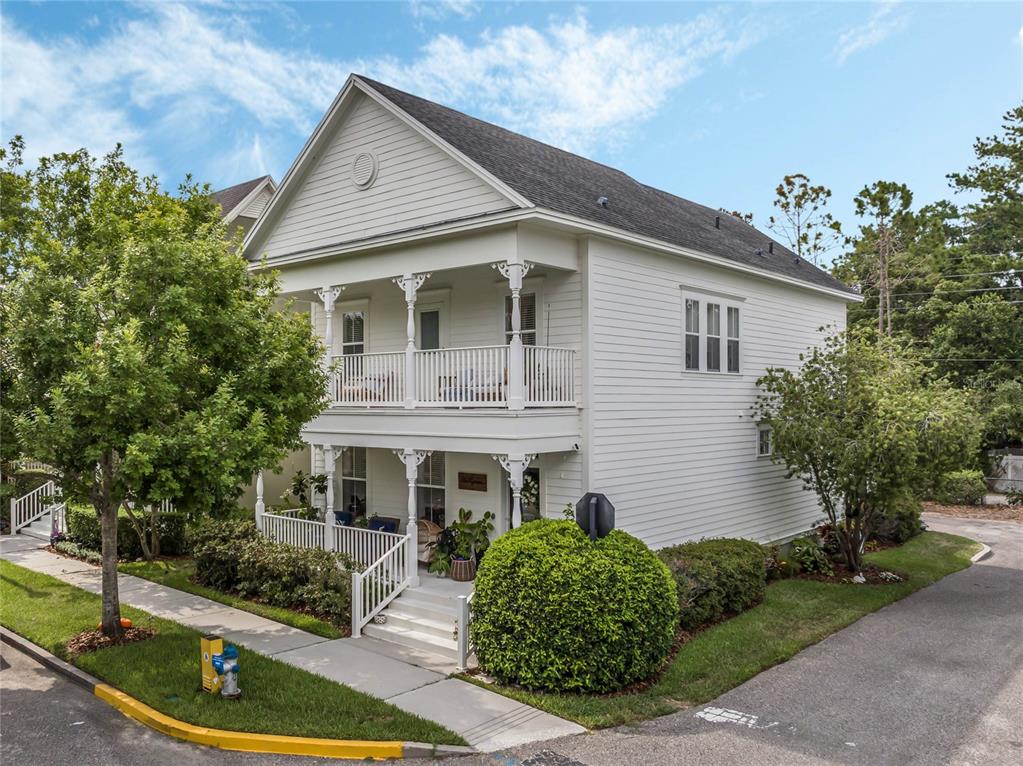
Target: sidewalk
(486,720)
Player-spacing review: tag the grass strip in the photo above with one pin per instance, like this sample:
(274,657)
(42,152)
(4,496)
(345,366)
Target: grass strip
(163,672)
(178,573)
(794,614)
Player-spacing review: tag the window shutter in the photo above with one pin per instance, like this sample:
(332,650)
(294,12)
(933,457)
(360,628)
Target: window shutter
(431,470)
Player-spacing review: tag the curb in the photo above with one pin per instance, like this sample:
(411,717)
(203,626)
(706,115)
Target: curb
(277,744)
(982,554)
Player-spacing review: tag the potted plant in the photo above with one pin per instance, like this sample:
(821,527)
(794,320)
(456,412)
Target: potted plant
(443,550)
(471,539)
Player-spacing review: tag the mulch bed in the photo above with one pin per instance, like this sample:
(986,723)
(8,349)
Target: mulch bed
(842,574)
(984,512)
(91,640)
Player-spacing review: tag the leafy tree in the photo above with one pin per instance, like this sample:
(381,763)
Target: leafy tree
(979,342)
(861,429)
(1002,406)
(887,206)
(809,229)
(994,223)
(152,364)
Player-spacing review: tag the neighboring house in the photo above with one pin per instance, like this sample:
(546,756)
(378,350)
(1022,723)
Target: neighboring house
(242,204)
(513,325)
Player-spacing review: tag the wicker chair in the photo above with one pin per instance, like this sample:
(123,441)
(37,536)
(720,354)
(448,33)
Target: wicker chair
(428,532)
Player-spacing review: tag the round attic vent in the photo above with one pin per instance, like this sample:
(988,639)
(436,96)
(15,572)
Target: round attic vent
(364,169)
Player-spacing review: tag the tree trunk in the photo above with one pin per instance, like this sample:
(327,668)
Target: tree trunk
(154,520)
(111,621)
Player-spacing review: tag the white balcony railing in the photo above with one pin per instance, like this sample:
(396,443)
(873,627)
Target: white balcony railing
(475,377)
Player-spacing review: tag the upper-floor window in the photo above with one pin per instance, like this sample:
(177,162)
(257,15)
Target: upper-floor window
(711,334)
(353,332)
(527,312)
(354,480)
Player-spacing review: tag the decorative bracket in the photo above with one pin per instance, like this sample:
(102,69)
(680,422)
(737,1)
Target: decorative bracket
(505,269)
(329,295)
(411,283)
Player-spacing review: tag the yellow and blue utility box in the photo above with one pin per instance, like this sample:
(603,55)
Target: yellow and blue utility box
(210,646)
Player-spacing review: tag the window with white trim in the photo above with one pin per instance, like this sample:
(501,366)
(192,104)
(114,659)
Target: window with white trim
(430,486)
(353,332)
(765,444)
(711,334)
(353,480)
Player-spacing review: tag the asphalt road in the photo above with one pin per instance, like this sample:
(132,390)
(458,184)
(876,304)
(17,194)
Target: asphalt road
(936,678)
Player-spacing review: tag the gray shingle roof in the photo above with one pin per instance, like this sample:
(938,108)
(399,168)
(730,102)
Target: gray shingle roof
(567,183)
(231,197)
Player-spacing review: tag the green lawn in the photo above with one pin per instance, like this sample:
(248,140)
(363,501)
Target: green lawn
(164,672)
(177,573)
(794,614)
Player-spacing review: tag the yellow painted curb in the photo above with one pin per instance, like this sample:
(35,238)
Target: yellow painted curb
(238,740)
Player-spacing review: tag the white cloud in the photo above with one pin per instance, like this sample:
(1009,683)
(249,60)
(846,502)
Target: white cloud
(438,9)
(202,78)
(566,84)
(885,20)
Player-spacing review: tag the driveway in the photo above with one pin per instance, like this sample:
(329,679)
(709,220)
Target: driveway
(936,678)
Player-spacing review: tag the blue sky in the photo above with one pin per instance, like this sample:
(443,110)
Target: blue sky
(714,102)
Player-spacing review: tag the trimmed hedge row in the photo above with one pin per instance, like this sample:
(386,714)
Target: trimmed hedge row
(558,612)
(83,527)
(962,488)
(714,577)
(232,556)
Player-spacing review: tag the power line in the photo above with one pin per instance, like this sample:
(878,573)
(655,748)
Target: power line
(919,306)
(963,290)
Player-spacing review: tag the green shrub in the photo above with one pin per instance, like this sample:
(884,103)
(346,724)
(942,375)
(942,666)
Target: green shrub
(1014,496)
(558,612)
(83,527)
(900,521)
(808,554)
(215,546)
(73,549)
(716,576)
(700,597)
(232,556)
(962,488)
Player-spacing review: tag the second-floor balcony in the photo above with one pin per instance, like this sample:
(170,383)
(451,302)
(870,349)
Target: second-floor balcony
(459,378)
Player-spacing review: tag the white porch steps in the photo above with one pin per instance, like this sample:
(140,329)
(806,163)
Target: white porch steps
(40,529)
(421,621)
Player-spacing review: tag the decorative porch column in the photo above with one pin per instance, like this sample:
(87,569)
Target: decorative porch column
(410,283)
(260,505)
(412,460)
(329,466)
(514,272)
(515,465)
(329,294)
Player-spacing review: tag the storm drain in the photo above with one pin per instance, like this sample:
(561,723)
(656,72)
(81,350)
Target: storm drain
(550,758)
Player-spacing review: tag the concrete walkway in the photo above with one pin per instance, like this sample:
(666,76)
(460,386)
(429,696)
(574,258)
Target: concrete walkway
(486,720)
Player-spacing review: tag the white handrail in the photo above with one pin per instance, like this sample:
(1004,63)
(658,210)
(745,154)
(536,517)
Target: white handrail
(292,531)
(379,584)
(369,379)
(29,507)
(364,546)
(550,376)
(58,516)
(462,377)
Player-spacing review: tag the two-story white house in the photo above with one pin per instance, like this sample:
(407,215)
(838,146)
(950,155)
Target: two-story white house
(512,325)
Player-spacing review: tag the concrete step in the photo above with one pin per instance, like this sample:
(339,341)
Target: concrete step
(409,604)
(441,626)
(413,639)
(40,529)
(427,598)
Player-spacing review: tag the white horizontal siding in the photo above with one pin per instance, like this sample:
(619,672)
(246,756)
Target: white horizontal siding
(416,184)
(676,451)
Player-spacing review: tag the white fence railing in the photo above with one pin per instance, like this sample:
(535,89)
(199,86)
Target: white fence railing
(364,546)
(369,380)
(297,532)
(477,376)
(29,507)
(550,376)
(462,377)
(58,516)
(376,586)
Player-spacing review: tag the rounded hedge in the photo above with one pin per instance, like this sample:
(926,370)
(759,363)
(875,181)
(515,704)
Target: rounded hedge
(557,612)
(716,576)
